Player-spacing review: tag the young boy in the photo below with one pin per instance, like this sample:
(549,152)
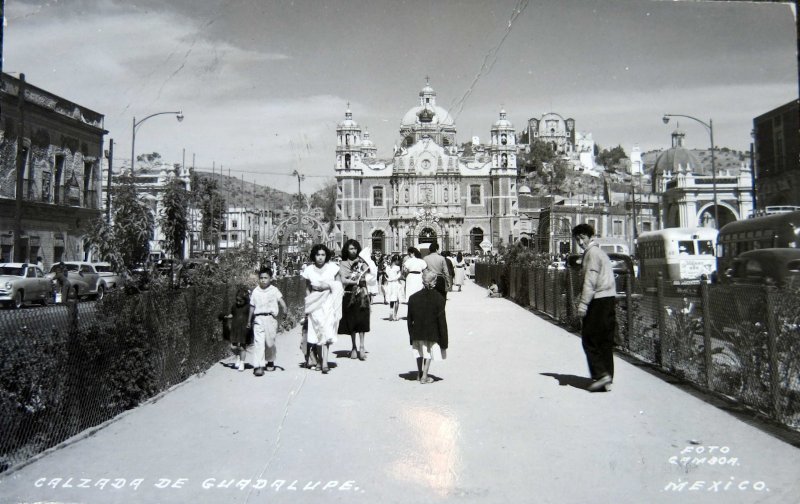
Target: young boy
(494,290)
(265,302)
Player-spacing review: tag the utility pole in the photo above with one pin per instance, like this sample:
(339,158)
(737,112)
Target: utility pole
(22,155)
(110,156)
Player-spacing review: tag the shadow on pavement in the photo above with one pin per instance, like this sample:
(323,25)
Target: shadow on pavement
(579,382)
(414,376)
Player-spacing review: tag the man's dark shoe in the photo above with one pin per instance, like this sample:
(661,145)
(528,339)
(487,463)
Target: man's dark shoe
(259,371)
(602,383)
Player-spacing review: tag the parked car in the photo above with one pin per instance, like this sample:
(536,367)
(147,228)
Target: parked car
(621,265)
(112,279)
(83,278)
(138,277)
(777,266)
(23,282)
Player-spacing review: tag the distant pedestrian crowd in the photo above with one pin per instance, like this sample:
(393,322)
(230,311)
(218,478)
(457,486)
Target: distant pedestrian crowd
(341,292)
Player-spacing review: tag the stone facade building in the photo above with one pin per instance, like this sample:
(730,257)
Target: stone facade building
(429,190)
(777,147)
(687,189)
(62,149)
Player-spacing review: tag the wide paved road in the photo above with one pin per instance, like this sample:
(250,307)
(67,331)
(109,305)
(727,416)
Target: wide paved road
(506,422)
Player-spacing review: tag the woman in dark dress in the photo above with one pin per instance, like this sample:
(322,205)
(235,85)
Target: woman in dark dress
(356,301)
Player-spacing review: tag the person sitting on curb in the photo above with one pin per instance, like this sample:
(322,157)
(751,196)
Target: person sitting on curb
(494,290)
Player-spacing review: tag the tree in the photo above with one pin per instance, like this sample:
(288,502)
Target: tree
(541,153)
(610,158)
(173,219)
(133,225)
(211,204)
(325,199)
(127,240)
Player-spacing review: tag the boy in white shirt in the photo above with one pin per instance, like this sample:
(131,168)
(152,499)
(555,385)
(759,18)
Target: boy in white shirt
(265,304)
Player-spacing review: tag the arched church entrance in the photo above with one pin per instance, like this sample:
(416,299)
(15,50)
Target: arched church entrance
(475,239)
(379,241)
(427,235)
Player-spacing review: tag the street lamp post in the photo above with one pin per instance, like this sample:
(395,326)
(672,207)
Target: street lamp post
(136,124)
(710,127)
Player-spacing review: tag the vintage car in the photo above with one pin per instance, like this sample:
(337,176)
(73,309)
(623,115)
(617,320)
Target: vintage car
(83,278)
(769,266)
(112,279)
(23,282)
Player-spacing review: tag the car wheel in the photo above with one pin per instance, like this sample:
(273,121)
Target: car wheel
(47,299)
(101,290)
(19,299)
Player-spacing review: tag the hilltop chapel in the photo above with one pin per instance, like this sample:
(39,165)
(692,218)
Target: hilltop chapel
(430,190)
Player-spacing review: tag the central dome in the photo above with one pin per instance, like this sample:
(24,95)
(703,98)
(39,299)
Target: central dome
(440,116)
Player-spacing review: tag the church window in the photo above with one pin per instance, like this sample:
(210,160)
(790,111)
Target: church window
(446,194)
(427,100)
(504,161)
(347,161)
(347,139)
(504,139)
(475,194)
(234,224)
(617,227)
(377,196)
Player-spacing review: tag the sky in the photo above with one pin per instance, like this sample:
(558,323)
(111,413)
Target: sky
(262,84)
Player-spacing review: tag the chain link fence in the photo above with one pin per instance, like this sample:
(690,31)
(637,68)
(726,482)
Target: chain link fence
(70,367)
(740,341)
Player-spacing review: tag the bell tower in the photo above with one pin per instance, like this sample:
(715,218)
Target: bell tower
(504,205)
(348,143)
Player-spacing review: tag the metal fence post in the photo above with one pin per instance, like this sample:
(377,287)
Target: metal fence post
(772,352)
(628,309)
(570,294)
(556,293)
(662,329)
(706,331)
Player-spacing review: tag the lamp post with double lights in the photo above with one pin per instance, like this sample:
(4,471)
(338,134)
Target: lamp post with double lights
(136,124)
(710,127)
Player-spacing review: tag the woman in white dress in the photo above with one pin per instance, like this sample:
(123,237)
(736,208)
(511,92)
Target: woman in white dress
(393,292)
(413,269)
(323,305)
(460,267)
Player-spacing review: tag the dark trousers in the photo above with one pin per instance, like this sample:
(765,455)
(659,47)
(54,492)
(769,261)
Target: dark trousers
(441,287)
(597,333)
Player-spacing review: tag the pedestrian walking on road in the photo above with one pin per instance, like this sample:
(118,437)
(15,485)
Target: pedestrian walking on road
(460,267)
(413,267)
(427,325)
(393,292)
(356,299)
(238,328)
(438,265)
(597,309)
(323,304)
(266,301)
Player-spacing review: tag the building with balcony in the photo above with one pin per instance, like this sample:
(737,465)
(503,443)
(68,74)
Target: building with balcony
(58,145)
(777,149)
(429,190)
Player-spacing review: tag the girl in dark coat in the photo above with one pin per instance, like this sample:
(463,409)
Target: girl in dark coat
(427,325)
(238,318)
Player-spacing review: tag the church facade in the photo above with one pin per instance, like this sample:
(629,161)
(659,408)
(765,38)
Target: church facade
(430,190)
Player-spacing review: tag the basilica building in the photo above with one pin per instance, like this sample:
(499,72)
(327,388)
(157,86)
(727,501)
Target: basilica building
(430,190)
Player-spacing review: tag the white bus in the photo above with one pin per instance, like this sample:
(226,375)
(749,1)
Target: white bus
(681,255)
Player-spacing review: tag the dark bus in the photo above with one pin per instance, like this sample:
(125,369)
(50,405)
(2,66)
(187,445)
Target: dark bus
(781,230)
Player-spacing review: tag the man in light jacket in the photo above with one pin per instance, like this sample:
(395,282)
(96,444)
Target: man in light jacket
(597,309)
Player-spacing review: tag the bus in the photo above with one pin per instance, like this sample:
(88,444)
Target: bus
(780,230)
(613,245)
(681,255)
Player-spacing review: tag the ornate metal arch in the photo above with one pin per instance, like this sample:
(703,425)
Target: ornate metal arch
(302,218)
